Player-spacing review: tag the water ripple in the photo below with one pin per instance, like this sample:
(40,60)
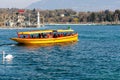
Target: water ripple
(95,56)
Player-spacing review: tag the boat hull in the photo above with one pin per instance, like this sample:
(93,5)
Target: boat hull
(72,38)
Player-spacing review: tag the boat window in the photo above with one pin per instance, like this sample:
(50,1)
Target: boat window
(34,36)
(48,35)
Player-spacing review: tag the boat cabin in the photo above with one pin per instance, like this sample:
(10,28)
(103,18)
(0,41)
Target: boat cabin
(46,34)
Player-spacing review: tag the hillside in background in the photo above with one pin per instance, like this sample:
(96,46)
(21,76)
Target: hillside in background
(55,4)
(79,5)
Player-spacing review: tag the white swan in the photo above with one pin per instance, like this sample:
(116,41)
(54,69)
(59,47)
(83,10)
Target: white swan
(8,57)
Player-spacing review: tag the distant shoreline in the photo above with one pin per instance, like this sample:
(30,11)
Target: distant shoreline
(68,24)
(53,24)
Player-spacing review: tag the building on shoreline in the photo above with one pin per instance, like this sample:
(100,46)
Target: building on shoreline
(19,18)
(28,18)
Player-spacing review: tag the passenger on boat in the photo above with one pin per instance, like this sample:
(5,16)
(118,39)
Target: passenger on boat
(48,35)
(51,35)
(23,36)
(61,35)
(55,35)
(32,36)
(42,35)
(39,35)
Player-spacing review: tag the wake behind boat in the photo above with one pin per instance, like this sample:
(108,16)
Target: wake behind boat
(46,36)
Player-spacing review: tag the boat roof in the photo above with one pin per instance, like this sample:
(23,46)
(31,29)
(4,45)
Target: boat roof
(45,31)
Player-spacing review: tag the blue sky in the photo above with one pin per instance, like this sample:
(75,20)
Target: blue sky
(15,3)
(83,5)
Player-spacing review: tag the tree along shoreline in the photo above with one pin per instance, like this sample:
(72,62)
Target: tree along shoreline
(28,18)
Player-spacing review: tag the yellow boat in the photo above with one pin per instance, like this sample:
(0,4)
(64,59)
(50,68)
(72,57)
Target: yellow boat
(46,36)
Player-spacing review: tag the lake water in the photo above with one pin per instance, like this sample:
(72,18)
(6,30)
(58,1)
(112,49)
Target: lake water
(95,57)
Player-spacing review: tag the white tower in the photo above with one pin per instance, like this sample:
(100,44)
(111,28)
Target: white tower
(38,19)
